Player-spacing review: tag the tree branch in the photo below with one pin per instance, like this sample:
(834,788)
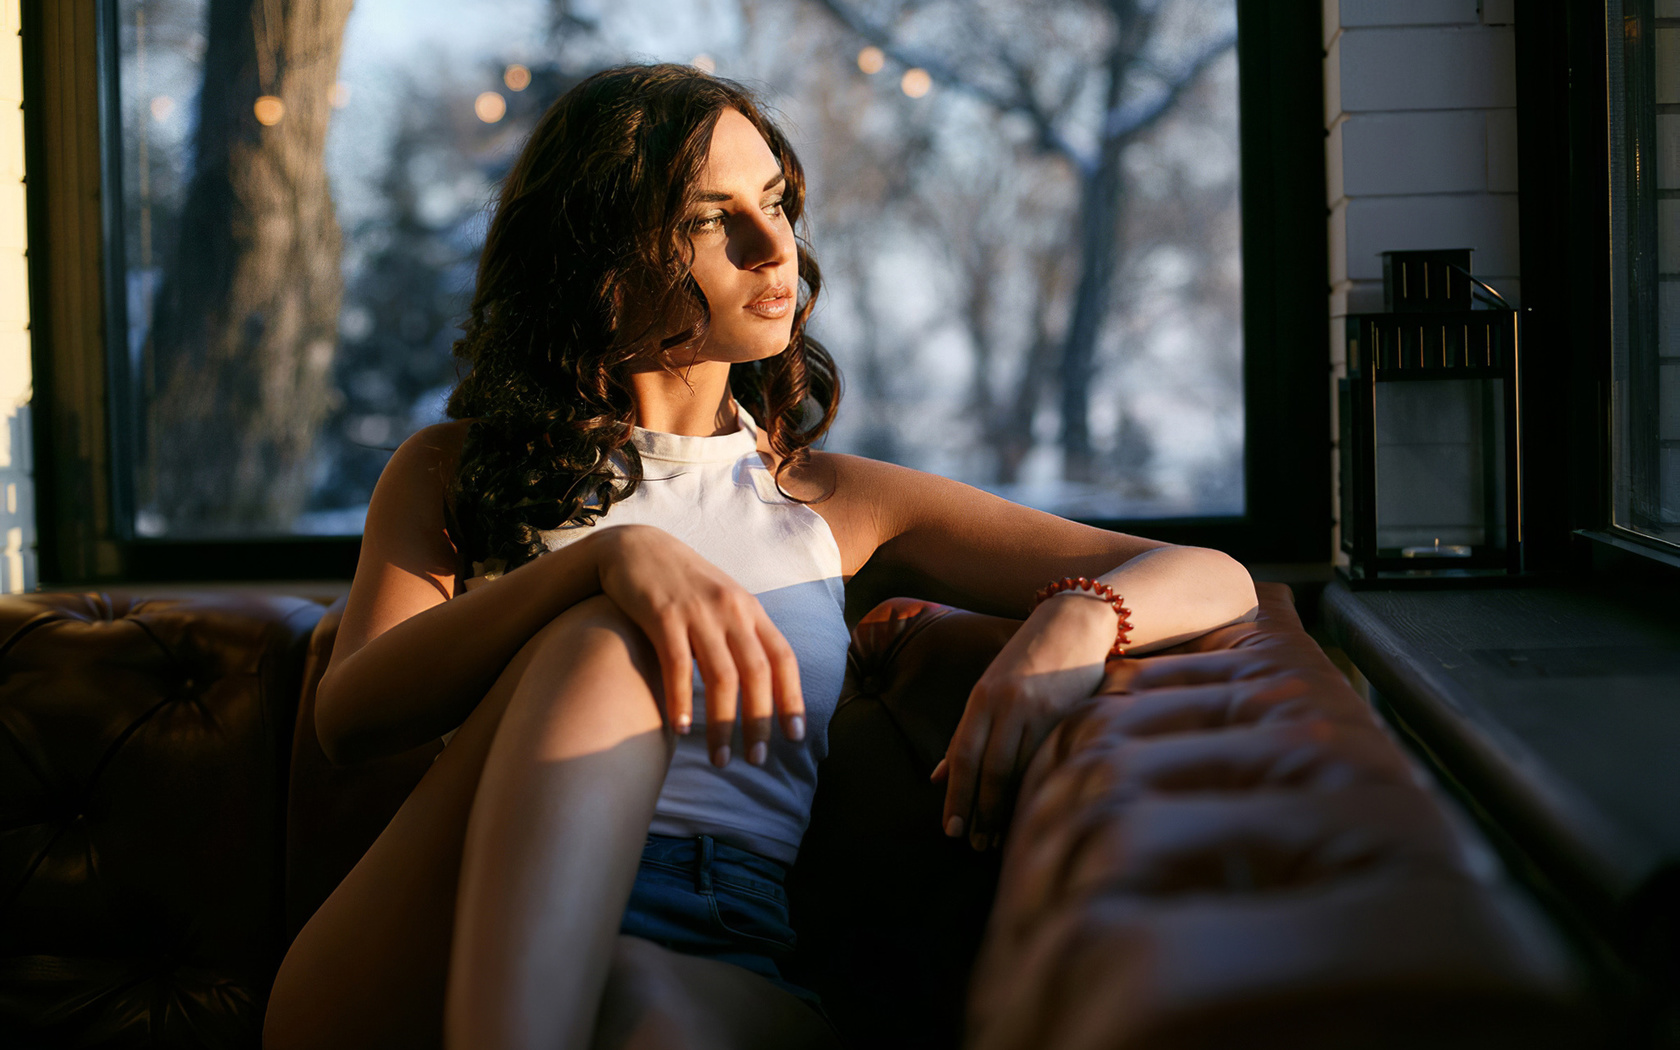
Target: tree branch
(1127,122)
(1022,101)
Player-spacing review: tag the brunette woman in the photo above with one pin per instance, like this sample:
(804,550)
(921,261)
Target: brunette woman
(617,582)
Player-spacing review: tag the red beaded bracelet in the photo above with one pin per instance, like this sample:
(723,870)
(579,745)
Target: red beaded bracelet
(1097,589)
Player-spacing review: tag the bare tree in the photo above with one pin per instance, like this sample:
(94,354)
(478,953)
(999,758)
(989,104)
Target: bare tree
(1135,90)
(245,328)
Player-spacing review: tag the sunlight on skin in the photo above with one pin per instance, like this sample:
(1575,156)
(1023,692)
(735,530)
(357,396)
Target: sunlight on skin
(745,263)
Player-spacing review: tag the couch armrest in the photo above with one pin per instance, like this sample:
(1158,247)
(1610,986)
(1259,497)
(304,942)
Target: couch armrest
(1225,844)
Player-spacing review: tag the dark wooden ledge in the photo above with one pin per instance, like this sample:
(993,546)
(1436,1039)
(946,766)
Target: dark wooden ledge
(1556,709)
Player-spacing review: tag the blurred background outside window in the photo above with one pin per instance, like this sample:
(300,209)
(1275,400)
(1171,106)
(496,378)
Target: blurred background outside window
(1026,212)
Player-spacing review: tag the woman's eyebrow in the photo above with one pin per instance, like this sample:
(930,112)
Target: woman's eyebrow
(712,196)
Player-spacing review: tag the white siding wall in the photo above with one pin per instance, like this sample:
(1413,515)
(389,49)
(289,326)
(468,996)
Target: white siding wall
(1421,152)
(17,489)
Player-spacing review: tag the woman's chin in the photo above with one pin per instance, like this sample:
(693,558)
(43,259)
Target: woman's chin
(748,354)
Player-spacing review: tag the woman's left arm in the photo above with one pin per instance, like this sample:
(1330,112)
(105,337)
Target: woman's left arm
(948,542)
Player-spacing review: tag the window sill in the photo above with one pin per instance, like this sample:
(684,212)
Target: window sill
(1556,710)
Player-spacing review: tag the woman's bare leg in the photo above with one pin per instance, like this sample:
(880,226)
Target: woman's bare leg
(658,999)
(552,844)
(369,968)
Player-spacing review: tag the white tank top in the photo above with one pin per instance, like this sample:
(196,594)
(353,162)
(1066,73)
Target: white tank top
(716,495)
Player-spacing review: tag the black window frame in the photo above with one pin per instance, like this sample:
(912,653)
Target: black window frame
(84,508)
(1565,182)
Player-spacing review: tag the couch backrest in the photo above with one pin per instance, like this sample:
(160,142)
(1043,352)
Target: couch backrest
(335,812)
(142,801)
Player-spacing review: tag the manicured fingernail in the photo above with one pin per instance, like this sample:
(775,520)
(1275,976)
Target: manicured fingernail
(796,727)
(758,753)
(720,755)
(937,770)
(684,724)
(977,840)
(953,827)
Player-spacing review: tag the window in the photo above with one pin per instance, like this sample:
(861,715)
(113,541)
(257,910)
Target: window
(1644,143)
(256,387)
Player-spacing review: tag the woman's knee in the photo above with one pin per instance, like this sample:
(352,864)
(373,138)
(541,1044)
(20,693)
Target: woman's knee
(591,658)
(598,622)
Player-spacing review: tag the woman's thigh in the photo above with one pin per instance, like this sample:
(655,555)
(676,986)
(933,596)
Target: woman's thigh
(369,969)
(658,998)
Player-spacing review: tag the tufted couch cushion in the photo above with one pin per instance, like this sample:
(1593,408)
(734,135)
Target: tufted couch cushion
(1224,848)
(142,801)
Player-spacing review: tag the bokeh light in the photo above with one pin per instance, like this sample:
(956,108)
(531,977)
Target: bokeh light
(704,63)
(871,59)
(339,95)
(916,82)
(162,106)
(490,107)
(517,77)
(269,110)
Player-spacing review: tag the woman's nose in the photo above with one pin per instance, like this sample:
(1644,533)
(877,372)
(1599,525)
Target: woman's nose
(763,240)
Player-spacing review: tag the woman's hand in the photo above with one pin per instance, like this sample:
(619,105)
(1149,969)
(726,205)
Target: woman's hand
(695,613)
(1052,663)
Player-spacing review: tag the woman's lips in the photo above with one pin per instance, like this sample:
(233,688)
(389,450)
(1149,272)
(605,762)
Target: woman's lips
(775,304)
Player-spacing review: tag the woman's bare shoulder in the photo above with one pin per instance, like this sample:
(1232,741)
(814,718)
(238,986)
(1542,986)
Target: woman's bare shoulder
(849,493)
(440,441)
(428,457)
(413,489)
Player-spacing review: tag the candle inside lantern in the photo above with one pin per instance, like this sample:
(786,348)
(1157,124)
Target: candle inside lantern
(1451,550)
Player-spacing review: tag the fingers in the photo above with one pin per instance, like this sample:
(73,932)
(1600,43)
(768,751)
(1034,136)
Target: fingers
(722,682)
(784,675)
(753,668)
(983,767)
(963,768)
(999,773)
(676,664)
(748,669)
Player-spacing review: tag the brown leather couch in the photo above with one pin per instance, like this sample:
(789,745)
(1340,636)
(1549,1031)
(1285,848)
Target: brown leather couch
(1223,848)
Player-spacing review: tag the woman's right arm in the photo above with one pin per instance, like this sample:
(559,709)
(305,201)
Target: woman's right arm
(410,662)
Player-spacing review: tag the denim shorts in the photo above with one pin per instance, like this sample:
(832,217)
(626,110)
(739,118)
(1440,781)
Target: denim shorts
(703,897)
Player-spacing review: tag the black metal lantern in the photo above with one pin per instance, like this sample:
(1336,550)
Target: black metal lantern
(1431,429)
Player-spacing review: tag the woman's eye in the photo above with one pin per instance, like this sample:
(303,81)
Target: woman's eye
(707,223)
(774,207)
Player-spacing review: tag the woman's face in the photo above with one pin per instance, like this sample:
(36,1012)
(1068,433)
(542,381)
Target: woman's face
(745,259)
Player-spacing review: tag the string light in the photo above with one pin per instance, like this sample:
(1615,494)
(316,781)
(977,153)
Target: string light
(916,82)
(517,77)
(871,59)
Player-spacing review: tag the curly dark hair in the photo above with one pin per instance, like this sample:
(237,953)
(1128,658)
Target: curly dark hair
(585,271)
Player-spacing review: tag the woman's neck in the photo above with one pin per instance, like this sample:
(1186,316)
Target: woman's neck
(694,401)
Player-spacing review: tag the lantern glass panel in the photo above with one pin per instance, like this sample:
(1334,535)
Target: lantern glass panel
(1440,449)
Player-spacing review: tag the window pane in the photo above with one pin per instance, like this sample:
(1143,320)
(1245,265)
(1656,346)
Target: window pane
(1028,229)
(1644,71)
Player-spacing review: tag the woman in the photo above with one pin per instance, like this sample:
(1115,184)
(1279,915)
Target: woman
(639,377)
